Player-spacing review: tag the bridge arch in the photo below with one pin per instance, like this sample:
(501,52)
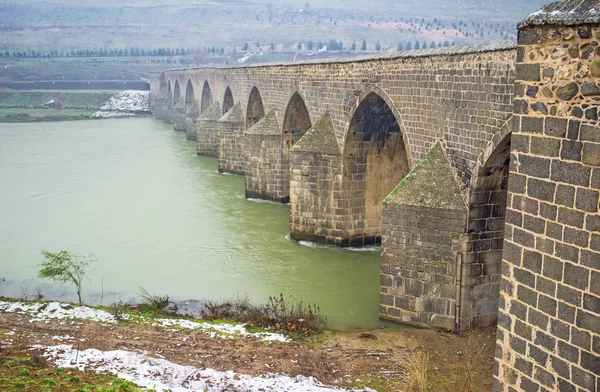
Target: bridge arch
(296,122)
(207,98)
(228,101)
(255,109)
(487,212)
(176,93)
(375,160)
(190,98)
(169,90)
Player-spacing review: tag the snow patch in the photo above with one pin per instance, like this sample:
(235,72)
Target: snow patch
(219,329)
(125,104)
(45,312)
(161,374)
(56,311)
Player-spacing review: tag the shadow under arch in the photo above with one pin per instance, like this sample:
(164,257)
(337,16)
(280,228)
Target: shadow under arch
(296,122)
(390,103)
(255,109)
(228,101)
(207,98)
(485,228)
(190,97)
(176,93)
(375,160)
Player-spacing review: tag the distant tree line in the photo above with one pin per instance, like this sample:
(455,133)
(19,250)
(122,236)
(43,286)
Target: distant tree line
(108,52)
(423,45)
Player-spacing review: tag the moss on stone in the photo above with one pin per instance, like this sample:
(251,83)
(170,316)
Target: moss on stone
(266,126)
(235,114)
(320,138)
(431,183)
(213,112)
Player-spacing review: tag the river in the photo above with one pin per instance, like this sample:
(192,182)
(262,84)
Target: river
(133,193)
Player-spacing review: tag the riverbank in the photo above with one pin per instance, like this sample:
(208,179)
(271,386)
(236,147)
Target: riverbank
(185,354)
(56,105)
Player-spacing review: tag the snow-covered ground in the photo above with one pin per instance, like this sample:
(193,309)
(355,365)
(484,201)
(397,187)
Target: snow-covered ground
(160,374)
(125,104)
(44,312)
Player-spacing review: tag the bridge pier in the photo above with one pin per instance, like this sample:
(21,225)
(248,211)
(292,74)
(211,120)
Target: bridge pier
(179,118)
(207,136)
(167,111)
(263,160)
(191,119)
(316,186)
(230,131)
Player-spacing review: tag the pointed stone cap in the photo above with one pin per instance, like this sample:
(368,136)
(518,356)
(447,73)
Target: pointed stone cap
(431,183)
(235,114)
(213,112)
(320,138)
(266,126)
(566,13)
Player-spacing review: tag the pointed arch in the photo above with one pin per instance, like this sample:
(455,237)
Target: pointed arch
(176,93)
(228,101)
(487,216)
(207,98)
(255,109)
(190,98)
(169,89)
(296,122)
(375,161)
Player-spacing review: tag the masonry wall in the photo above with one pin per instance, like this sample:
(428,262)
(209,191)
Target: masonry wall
(315,185)
(207,137)
(178,117)
(231,147)
(549,321)
(263,160)
(418,265)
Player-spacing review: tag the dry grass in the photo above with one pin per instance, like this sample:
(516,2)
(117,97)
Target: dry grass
(418,366)
(279,313)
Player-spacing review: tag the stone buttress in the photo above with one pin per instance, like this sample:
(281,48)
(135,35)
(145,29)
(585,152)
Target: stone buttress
(263,160)
(230,130)
(207,135)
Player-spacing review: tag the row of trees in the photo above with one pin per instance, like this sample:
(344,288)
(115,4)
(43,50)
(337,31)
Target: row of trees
(169,52)
(418,45)
(338,45)
(104,52)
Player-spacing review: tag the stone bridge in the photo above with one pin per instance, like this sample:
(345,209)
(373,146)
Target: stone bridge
(476,168)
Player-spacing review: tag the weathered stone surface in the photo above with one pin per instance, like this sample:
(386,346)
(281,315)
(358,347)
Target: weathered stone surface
(595,69)
(320,138)
(590,89)
(266,126)
(539,107)
(430,184)
(213,112)
(567,91)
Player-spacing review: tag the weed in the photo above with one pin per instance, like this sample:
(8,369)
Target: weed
(118,309)
(472,354)
(418,365)
(280,313)
(156,303)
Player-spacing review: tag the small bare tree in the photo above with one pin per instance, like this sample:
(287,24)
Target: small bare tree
(64,267)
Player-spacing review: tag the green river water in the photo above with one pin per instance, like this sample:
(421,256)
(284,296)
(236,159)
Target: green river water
(133,193)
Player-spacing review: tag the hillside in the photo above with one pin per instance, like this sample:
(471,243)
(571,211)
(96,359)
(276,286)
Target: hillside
(65,25)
